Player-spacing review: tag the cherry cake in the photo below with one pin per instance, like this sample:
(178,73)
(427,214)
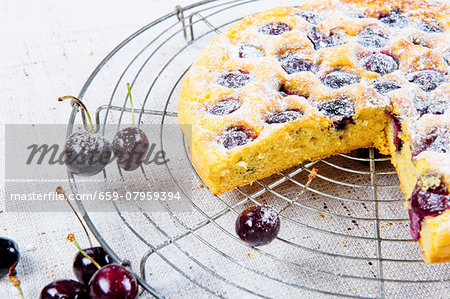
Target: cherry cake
(293,84)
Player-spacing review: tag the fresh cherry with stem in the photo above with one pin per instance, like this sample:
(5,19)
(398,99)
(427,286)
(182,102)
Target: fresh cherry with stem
(111,281)
(130,145)
(86,153)
(259,225)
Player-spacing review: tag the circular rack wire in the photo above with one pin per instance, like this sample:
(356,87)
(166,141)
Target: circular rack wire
(347,235)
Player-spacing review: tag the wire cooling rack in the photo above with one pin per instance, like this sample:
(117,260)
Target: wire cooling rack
(347,235)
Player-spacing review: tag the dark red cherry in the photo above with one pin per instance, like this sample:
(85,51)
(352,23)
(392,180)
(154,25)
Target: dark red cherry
(234,79)
(372,36)
(224,107)
(9,255)
(427,80)
(130,146)
(250,52)
(84,269)
(415,225)
(379,63)
(320,41)
(283,116)
(338,79)
(236,136)
(86,154)
(433,27)
(394,19)
(397,128)
(385,86)
(429,107)
(431,202)
(113,281)
(292,64)
(340,111)
(65,289)
(258,225)
(275,28)
(310,17)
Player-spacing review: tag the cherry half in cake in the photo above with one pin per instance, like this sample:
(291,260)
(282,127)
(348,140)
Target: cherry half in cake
(425,203)
(384,87)
(321,41)
(292,64)
(394,19)
(340,111)
(236,136)
(234,79)
(338,79)
(380,63)
(224,107)
(283,116)
(427,80)
(372,36)
(310,17)
(275,28)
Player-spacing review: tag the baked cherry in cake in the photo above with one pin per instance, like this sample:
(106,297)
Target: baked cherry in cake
(224,107)
(321,41)
(384,87)
(427,80)
(394,19)
(275,28)
(338,79)
(415,224)
(292,64)
(380,63)
(234,79)
(340,111)
(429,202)
(283,116)
(310,17)
(236,136)
(372,36)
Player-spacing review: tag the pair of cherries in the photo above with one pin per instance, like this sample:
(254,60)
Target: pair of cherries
(98,278)
(86,153)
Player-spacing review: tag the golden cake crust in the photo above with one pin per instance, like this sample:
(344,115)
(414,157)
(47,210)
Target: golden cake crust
(277,146)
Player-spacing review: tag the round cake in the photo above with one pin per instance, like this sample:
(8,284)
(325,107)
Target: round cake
(295,84)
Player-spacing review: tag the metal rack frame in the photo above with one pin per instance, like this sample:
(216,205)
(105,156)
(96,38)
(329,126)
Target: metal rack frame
(188,19)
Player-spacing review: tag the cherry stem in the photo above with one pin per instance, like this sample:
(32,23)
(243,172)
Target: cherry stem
(82,105)
(131,103)
(12,274)
(311,176)
(71,238)
(60,191)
